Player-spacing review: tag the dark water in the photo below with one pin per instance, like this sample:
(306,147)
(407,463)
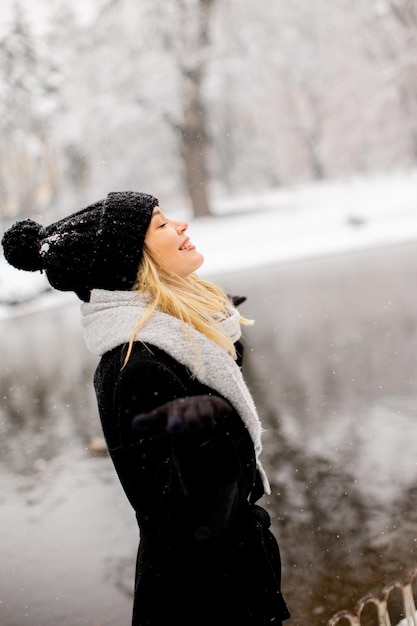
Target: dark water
(332,363)
(334,372)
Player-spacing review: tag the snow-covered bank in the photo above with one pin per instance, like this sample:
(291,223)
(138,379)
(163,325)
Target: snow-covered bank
(281,225)
(310,220)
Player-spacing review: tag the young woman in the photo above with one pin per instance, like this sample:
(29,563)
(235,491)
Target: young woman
(179,422)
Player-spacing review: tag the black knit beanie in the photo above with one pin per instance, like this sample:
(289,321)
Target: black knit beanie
(99,247)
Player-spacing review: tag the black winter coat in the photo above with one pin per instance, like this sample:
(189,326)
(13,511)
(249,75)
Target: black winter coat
(206,555)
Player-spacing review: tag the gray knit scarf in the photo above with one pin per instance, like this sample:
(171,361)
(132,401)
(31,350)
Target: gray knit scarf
(108,321)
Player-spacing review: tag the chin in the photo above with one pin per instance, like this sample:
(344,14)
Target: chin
(200,262)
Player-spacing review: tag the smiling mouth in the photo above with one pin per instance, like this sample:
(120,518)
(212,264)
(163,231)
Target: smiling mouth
(186,245)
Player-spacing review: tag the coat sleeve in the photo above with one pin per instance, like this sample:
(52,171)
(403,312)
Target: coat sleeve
(185,479)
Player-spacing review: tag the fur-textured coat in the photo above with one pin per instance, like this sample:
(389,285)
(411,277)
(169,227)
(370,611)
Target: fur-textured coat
(187,464)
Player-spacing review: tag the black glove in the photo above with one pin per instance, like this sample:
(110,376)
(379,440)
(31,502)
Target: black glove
(192,415)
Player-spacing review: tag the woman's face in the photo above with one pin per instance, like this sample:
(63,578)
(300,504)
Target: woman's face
(168,240)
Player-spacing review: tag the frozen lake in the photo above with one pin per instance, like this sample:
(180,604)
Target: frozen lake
(332,363)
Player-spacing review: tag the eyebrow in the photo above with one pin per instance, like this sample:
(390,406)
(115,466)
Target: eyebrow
(156,212)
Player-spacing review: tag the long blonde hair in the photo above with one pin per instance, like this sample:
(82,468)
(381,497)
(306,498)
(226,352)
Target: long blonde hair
(194,301)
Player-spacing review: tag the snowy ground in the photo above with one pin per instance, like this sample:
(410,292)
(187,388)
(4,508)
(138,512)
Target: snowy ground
(312,220)
(281,225)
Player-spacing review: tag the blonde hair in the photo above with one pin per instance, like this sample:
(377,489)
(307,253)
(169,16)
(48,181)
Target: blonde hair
(194,301)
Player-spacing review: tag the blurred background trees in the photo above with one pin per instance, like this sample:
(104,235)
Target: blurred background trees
(195,100)
(27,104)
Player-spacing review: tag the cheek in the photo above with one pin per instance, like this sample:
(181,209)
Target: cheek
(166,247)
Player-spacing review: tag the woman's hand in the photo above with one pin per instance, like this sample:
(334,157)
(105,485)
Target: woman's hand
(192,415)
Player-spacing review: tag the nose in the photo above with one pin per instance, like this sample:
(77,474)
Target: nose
(181,227)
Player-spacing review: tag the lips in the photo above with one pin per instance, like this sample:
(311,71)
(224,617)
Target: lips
(186,244)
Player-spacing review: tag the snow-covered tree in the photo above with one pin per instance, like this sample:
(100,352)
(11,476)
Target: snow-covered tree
(395,22)
(29,178)
(192,99)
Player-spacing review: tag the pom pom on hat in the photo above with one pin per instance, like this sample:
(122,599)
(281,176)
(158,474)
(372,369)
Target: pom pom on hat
(98,247)
(21,245)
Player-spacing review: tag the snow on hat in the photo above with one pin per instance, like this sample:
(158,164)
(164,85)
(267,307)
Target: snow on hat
(98,247)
